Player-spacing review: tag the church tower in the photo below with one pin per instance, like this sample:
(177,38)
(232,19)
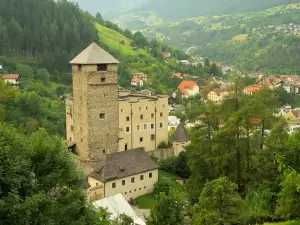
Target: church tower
(93,115)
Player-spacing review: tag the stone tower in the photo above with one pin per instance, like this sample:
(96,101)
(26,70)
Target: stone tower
(180,139)
(94,119)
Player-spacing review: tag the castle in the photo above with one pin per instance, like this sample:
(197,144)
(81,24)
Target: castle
(113,132)
(101,120)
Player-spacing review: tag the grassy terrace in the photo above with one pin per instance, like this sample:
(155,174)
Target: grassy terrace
(147,201)
(112,38)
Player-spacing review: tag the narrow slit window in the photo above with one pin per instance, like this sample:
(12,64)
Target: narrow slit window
(102,116)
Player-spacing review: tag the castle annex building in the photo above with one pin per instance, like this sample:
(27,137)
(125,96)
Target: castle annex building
(100,120)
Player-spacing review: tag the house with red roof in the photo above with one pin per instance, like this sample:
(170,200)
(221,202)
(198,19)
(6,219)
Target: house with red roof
(137,82)
(12,79)
(188,88)
(250,90)
(178,75)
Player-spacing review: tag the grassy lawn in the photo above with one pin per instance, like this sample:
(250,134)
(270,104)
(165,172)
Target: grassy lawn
(147,201)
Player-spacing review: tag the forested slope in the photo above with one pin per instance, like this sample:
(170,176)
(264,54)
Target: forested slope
(267,40)
(45,31)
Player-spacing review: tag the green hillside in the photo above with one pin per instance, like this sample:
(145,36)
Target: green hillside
(157,12)
(113,39)
(267,40)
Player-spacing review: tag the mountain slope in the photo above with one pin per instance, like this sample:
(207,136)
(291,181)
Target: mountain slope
(266,40)
(170,10)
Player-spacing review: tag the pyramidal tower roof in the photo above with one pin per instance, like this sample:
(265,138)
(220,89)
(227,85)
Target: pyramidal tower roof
(181,134)
(94,55)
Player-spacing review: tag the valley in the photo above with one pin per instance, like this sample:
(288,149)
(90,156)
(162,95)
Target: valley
(254,41)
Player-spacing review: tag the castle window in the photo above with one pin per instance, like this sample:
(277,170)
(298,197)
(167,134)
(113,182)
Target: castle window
(113,185)
(144,187)
(145,126)
(123,183)
(142,177)
(142,117)
(102,116)
(163,106)
(152,126)
(127,118)
(127,129)
(150,175)
(126,147)
(103,151)
(161,125)
(146,107)
(79,67)
(102,67)
(103,79)
(138,127)
(132,179)
(141,139)
(152,137)
(152,115)
(121,110)
(81,140)
(161,114)
(71,128)
(140,188)
(125,193)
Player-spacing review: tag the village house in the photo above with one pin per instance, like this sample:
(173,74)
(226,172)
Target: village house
(250,90)
(187,88)
(173,122)
(293,115)
(136,82)
(185,62)
(12,79)
(178,75)
(180,139)
(142,76)
(132,173)
(217,95)
(167,55)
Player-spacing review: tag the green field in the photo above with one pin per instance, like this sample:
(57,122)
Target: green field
(112,38)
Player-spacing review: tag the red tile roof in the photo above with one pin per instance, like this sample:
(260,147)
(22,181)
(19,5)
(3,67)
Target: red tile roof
(11,76)
(135,79)
(187,84)
(179,75)
(253,88)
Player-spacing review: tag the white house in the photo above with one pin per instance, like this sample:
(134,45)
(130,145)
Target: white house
(12,79)
(135,81)
(188,88)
